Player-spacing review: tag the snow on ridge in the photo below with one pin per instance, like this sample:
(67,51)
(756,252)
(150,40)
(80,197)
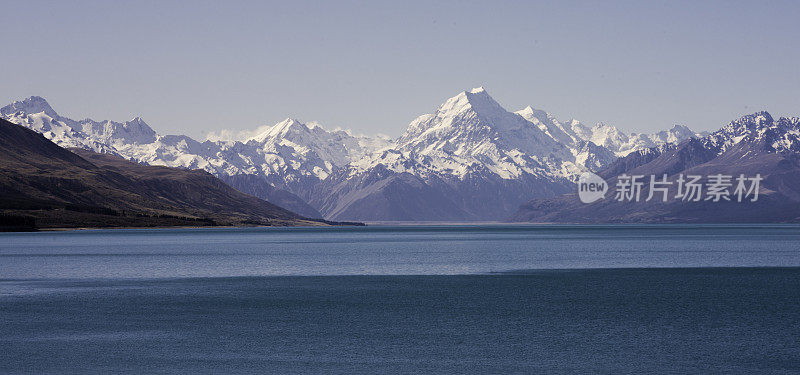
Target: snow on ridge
(781,135)
(290,148)
(468,132)
(472,133)
(33,104)
(610,137)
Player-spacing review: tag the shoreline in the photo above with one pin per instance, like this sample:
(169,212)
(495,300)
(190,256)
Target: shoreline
(403,226)
(310,224)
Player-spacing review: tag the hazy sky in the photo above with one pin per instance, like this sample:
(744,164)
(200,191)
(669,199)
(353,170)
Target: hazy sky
(192,67)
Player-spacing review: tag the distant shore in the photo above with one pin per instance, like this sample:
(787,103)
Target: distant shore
(28,225)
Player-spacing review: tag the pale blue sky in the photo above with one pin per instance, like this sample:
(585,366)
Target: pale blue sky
(192,67)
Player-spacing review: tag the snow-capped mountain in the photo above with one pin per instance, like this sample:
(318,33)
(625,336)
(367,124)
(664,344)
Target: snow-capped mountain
(752,145)
(623,144)
(563,133)
(472,129)
(470,160)
(779,136)
(484,158)
(469,132)
(574,133)
(288,155)
(288,145)
(471,155)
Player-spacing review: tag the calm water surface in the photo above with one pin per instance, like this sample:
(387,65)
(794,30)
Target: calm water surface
(468,299)
(445,250)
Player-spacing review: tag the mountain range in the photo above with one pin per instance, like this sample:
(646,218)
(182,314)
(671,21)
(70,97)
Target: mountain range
(44,186)
(755,145)
(470,160)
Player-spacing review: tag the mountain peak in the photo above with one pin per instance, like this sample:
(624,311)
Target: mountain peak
(526,111)
(138,122)
(139,127)
(476,100)
(288,123)
(533,112)
(758,118)
(478,93)
(31,105)
(682,131)
(749,123)
(763,117)
(282,129)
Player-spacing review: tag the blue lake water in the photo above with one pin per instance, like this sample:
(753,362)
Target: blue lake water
(434,299)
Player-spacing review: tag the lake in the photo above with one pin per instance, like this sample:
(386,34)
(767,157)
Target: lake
(403,299)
